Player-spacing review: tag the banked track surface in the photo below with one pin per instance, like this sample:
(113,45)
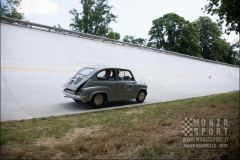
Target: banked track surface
(36,63)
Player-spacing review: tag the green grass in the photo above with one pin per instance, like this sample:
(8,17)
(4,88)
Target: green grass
(146,132)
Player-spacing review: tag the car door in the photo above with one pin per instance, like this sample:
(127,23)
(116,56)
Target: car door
(107,83)
(126,83)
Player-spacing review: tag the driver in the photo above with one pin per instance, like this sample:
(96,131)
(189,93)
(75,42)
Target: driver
(107,74)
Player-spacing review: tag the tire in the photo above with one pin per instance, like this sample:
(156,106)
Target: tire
(77,100)
(98,100)
(141,96)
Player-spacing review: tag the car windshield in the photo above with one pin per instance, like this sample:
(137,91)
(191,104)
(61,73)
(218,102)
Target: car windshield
(85,71)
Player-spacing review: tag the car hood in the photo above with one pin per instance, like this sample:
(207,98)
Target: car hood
(74,82)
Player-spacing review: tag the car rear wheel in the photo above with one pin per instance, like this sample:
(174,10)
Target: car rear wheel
(77,100)
(141,96)
(98,100)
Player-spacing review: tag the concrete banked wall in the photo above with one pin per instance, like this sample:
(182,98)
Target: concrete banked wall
(35,63)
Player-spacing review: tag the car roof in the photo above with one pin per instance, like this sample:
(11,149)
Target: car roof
(100,67)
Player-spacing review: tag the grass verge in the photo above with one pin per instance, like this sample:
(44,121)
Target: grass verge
(146,132)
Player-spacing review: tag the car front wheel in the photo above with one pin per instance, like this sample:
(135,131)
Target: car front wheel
(98,100)
(141,96)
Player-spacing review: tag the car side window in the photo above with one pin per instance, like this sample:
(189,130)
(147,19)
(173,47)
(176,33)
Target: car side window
(107,75)
(125,75)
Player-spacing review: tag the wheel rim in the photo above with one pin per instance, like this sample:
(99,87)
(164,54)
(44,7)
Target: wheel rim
(98,99)
(141,96)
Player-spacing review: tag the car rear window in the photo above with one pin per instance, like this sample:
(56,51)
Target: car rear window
(85,71)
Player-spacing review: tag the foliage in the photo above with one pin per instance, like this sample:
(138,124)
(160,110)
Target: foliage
(166,31)
(94,19)
(128,38)
(113,35)
(213,46)
(201,38)
(174,33)
(9,9)
(189,39)
(227,10)
(233,54)
(210,33)
(133,40)
(140,41)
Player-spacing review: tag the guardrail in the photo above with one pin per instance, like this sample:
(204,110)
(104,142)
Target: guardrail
(80,34)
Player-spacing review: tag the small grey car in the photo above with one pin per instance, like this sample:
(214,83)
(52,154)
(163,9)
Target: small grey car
(97,84)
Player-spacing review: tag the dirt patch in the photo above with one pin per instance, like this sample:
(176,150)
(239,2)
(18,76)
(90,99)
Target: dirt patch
(135,112)
(69,136)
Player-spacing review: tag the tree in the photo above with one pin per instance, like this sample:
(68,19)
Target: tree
(128,38)
(201,38)
(113,35)
(83,24)
(210,33)
(94,19)
(117,35)
(166,31)
(220,48)
(140,41)
(232,55)
(189,40)
(10,9)
(133,40)
(227,10)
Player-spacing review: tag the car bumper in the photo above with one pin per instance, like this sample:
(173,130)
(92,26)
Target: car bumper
(77,97)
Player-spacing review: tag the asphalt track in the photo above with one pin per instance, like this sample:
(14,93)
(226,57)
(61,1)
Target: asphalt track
(36,63)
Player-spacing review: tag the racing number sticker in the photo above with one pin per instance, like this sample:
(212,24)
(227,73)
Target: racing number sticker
(129,87)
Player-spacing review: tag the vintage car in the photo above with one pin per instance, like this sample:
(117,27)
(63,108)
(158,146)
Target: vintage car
(97,84)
